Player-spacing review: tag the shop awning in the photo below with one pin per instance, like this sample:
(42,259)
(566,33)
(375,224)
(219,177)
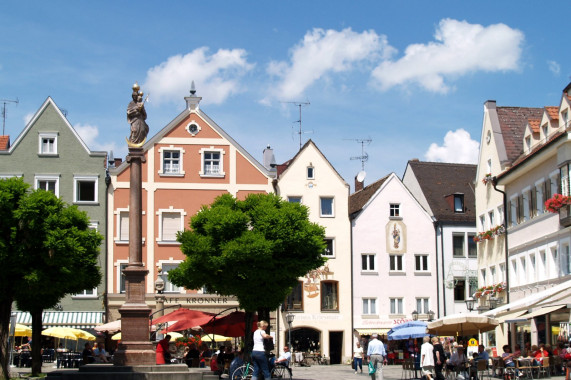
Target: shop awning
(542,311)
(379,331)
(512,317)
(75,319)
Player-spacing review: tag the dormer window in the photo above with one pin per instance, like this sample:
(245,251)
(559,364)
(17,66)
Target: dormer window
(545,131)
(528,143)
(458,202)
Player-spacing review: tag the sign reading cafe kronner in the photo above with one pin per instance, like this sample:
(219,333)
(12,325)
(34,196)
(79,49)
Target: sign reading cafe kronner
(200,300)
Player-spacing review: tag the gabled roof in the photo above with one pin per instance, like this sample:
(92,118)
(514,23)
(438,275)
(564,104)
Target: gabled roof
(4,142)
(439,180)
(49,102)
(177,120)
(360,198)
(281,168)
(513,121)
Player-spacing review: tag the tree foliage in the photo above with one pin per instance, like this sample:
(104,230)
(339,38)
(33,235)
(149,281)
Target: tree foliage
(50,252)
(255,250)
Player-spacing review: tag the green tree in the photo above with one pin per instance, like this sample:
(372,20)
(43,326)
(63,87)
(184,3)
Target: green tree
(57,254)
(255,250)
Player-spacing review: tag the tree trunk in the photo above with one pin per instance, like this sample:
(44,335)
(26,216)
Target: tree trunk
(5,313)
(36,342)
(249,338)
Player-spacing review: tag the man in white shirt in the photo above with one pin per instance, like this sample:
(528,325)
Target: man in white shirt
(427,358)
(376,354)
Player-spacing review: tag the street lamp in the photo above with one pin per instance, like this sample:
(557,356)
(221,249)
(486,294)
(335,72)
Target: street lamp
(289,318)
(493,302)
(430,315)
(415,315)
(160,299)
(469,304)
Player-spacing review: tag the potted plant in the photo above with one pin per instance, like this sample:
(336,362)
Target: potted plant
(557,202)
(487,179)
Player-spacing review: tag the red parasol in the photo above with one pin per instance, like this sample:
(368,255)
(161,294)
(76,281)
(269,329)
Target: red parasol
(231,325)
(191,318)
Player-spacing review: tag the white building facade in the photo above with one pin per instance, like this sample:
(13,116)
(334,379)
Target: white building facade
(393,257)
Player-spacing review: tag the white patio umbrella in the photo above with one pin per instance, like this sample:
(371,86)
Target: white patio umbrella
(461,324)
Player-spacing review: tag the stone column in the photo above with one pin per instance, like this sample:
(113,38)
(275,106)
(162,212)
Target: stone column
(135,347)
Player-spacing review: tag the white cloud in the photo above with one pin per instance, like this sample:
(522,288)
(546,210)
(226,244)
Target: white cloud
(216,75)
(554,67)
(322,52)
(89,134)
(458,147)
(459,48)
(28,117)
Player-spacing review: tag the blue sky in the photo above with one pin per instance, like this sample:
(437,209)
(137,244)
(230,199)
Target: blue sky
(412,76)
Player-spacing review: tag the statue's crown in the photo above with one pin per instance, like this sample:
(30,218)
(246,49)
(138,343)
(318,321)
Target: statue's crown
(136,87)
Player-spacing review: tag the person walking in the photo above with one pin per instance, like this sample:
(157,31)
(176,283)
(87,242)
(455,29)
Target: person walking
(358,357)
(258,353)
(439,358)
(376,354)
(427,358)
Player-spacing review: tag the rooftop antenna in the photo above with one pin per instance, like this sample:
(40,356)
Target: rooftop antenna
(4,102)
(299,104)
(364,157)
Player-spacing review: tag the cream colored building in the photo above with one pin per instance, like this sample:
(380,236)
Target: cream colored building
(532,149)
(321,303)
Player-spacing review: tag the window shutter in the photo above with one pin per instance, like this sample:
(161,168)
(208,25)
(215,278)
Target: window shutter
(124,226)
(532,202)
(171,225)
(509,211)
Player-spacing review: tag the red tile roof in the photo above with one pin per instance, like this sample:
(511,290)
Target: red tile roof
(513,121)
(534,124)
(552,112)
(4,142)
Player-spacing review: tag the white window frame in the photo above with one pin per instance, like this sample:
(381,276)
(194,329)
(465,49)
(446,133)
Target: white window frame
(170,210)
(86,178)
(310,172)
(493,274)
(402,269)
(332,255)
(171,148)
(162,263)
(118,232)
(464,248)
(321,214)
(369,306)
(392,208)
(368,268)
(424,303)
(489,165)
(396,306)
(84,295)
(513,210)
(422,270)
(47,135)
(211,149)
(118,264)
(553,182)
(482,220)
(491,218)
(54,178)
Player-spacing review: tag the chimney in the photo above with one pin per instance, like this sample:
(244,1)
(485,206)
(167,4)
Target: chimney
(118,161)
(192,100)
(269,159)
(359,185)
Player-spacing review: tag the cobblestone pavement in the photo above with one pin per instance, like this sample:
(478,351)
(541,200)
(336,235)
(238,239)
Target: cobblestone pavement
(314,372)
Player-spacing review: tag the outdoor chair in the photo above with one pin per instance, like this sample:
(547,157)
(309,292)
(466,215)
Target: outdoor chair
(407,369)
(482,369)
(525,367)
(544,368)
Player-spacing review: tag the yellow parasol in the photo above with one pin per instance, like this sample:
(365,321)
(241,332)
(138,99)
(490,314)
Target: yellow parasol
(22,330)
(214,338)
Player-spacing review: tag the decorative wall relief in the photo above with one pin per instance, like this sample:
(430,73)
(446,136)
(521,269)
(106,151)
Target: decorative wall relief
(313,278)
(396,236)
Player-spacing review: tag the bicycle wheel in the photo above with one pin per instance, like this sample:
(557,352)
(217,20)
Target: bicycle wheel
(281,372)
(243,372)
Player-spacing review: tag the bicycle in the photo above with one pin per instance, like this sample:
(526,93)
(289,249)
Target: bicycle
(245,372)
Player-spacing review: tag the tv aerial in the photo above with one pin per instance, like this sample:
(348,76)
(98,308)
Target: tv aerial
(299,104)
(364,157)
(4,103)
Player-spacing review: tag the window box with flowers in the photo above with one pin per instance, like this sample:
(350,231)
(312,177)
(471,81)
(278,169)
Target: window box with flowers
(487,179)
(181,343)
(490,234)
(491,290)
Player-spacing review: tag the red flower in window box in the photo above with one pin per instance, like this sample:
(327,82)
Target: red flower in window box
(556,202)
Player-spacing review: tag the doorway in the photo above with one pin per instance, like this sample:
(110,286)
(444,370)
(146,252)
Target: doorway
(335,346)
